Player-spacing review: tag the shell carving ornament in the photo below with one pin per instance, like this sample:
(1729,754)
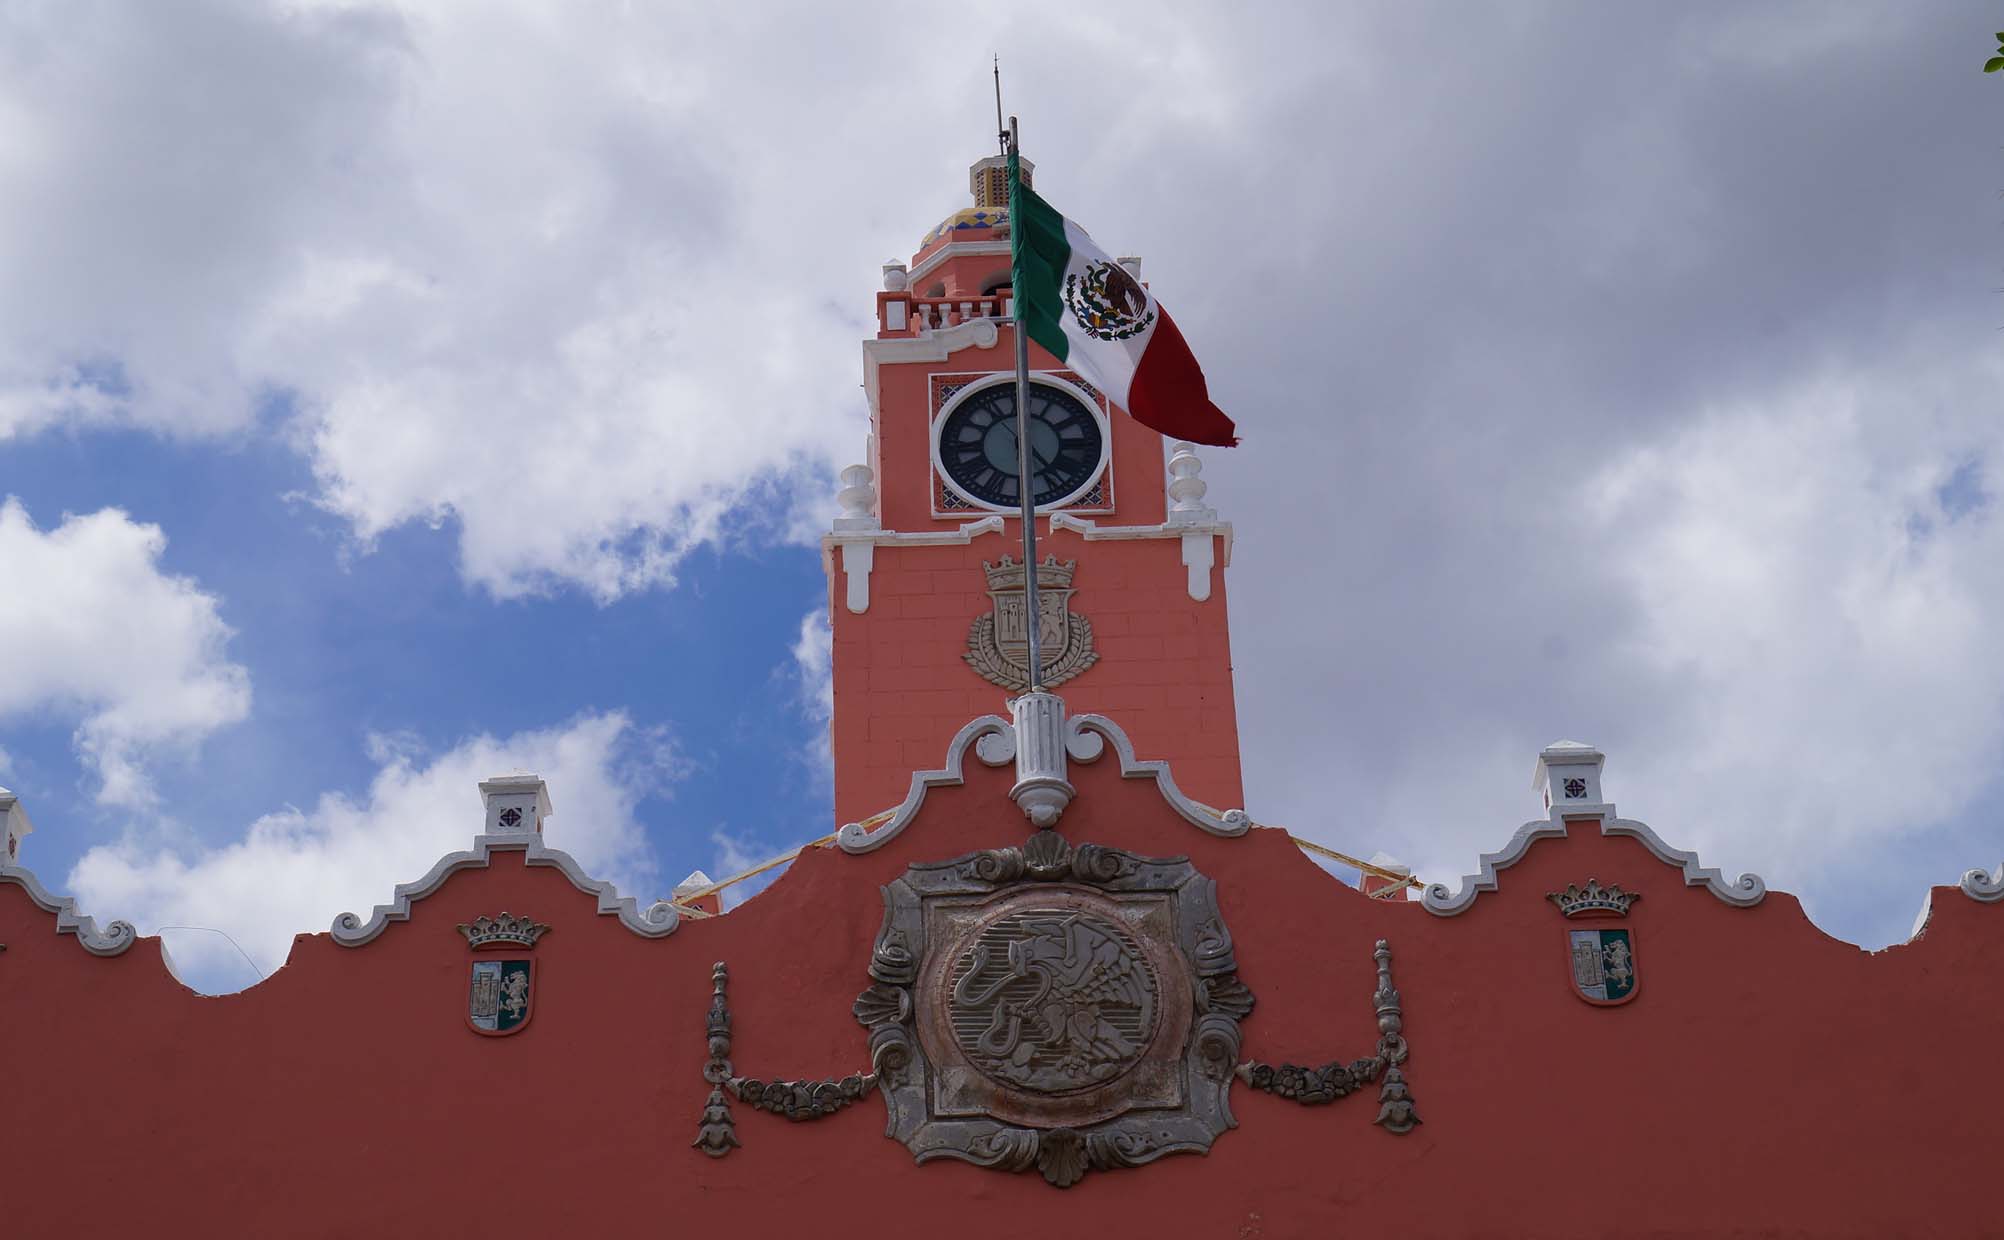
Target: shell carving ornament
(1068,1008)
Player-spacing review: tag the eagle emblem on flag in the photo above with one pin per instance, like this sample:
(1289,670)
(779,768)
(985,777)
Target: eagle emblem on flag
(1108,303)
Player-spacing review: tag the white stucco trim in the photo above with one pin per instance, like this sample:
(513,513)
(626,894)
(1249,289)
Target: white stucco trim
(1743,892)
(1086,747)
(995,744)
(112,940)
(1198,554)
(994,741)
(658,920)
(859,552)
(1984,885)
(1441,902)
(935,346)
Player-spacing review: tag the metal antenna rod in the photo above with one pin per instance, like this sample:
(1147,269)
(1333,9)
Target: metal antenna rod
(1001,132)
(1026,480)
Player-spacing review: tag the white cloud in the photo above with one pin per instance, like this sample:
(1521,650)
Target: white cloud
(513,269)
(814,681)
(296,870)
(91,629)
(1816,602)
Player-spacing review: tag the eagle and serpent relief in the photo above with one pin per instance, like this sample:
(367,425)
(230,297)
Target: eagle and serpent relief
(1068,1003)
(1071,1008)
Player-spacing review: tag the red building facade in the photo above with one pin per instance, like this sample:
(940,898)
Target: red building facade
(1049,980)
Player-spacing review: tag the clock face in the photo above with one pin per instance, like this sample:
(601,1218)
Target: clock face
(977,445)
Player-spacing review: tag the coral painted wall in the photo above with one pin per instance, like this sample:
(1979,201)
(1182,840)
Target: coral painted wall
(1767,1080)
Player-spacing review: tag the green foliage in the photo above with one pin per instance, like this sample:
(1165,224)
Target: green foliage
(1996,62)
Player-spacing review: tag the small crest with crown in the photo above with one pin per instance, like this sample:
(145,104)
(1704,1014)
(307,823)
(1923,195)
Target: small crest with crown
(1593,899)
(1007,574)
(505,930)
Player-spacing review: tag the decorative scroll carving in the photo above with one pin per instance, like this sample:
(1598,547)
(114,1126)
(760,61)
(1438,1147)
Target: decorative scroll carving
(1336,1079)
(1065,1008)
(1981,884)
(110,941)
(717,1133)
(798,1100)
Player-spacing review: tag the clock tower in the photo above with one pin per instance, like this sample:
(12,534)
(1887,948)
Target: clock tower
(924,561)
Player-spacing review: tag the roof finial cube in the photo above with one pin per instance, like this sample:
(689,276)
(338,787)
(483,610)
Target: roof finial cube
(516,804)
(14,826)
(1568,774)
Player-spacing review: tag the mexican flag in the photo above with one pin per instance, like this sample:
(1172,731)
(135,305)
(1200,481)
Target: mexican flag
(1097,319)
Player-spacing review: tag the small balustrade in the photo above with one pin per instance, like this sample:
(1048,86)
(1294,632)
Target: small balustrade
(901,314)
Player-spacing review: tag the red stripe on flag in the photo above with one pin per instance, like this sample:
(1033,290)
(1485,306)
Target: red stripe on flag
(1168,393)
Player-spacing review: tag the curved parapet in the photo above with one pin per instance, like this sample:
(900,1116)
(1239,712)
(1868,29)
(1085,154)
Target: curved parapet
(994,741)
(657,920)
(1441,902)
(1984,885)
(1743,892)
(110,941)
(1085,744)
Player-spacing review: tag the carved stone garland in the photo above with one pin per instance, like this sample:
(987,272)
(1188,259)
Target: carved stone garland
(797,1100)
(1070,1009)
(717,1134)
(1319,1086)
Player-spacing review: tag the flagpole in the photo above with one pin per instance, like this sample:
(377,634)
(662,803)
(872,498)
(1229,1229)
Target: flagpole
(1026,481)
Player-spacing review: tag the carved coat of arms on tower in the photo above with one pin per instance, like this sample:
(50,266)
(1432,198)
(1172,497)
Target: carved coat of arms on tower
(998,646)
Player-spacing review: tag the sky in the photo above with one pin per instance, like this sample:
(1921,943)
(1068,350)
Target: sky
(392,395)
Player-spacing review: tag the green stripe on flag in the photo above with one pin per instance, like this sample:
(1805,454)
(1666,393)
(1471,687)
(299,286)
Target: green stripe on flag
(1038,254)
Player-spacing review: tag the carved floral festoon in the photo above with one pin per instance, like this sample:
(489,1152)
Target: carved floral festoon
(1072,1008)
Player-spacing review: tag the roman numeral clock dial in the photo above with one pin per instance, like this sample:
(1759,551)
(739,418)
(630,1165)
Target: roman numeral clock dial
(977,446)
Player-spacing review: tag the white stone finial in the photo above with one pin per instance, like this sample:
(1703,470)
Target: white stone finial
(1568,775)
(1041,791)
(858,498)
(1187,488)
(516,804)
(14,826)
(896,278)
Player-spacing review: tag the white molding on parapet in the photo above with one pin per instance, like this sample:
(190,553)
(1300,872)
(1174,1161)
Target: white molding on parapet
(995,744)
(1744,892)
(658,920)
(110,941)
(1441,902)
(994,741)
(859,552)
(934,346)
(1198,554)
(1085,746)
(1984,885)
